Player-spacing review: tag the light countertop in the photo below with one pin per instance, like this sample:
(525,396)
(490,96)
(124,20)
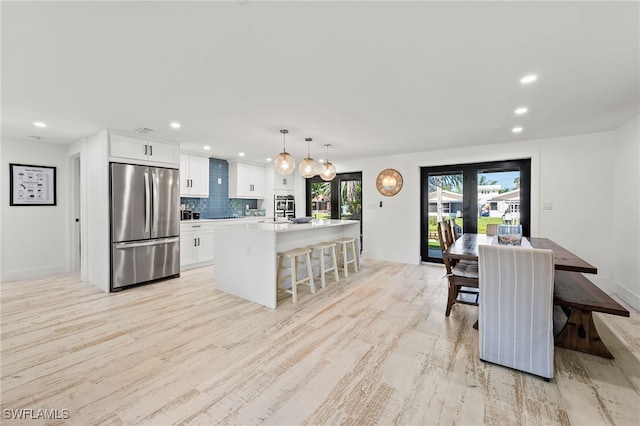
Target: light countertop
(280,227)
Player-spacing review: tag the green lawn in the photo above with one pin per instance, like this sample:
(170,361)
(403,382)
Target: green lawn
(482,227)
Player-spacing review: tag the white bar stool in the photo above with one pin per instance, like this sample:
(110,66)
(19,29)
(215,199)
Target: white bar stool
(344,242)
(331,254)
(292,255)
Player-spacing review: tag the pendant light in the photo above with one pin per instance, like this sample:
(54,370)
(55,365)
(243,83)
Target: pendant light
(284,163)
(328,170)
(307,167)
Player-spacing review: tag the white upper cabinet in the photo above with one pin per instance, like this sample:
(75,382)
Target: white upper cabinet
(143,150)
(246,180)
(194,176)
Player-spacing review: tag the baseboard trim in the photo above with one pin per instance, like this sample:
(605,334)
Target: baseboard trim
(28,274)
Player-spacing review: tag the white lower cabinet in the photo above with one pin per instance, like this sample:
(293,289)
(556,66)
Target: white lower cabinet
(196,244)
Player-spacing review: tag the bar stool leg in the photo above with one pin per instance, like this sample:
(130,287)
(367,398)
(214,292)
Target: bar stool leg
(344,260)
(355,259)
(310,272)
(322,269)
(335,263)
(294,280)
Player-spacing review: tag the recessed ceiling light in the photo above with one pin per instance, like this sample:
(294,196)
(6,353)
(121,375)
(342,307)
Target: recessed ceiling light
(207,147)
(269,159)
(516,129)
(241,154)
(40,124)
(521,110)
(175,125)
(321,160)
(528,79)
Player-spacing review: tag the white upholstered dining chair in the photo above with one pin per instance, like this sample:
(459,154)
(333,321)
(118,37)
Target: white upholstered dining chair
(515,322)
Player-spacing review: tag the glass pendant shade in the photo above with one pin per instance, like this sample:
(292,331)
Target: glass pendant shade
(307,167)
(284,163)
(327,171)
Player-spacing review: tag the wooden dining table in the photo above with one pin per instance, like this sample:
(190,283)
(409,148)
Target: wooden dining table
(466,247)
(575,295)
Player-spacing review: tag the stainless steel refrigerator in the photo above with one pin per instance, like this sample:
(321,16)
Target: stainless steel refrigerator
(145,224)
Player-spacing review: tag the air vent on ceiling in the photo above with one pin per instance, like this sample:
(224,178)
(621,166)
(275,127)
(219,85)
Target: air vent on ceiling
(143,130)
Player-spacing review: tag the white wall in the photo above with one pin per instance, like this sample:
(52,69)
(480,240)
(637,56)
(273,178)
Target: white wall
(626,211)
(574,173)
(35,238)
(97,201)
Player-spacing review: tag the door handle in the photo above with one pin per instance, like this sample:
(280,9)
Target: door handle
(147,202)
(195,242)
(146,243)
(198,241)
(150,149)
(155,208)
(145,150)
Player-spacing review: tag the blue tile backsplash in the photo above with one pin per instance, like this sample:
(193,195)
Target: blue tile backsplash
(218,205)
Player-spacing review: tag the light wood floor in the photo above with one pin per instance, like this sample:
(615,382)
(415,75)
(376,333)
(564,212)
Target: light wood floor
(373,349)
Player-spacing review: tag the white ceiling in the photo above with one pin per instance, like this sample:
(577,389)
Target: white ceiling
(371,78)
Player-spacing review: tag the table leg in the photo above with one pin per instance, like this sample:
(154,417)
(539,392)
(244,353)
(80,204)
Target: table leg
(580,334)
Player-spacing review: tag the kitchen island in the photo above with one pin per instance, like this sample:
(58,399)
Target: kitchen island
(246,253)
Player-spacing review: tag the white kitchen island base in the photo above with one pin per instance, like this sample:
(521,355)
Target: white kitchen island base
(246,254)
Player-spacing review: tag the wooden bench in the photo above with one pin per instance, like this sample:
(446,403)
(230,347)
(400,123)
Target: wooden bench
(579,298)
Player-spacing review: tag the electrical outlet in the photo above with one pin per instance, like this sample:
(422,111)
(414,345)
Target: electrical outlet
(547,206)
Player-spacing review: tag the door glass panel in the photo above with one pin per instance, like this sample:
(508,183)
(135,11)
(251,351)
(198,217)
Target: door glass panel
(321,200)
(498,198)
(351,199)
(445,202)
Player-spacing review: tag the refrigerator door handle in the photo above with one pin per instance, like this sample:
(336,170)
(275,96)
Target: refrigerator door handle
(147,203)
(154,187)
(146,243)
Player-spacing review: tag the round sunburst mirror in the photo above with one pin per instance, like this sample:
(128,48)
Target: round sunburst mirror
(389,182)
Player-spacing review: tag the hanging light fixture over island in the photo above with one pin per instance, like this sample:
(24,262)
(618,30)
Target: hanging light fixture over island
(307,167)
(327,170)
(284,163)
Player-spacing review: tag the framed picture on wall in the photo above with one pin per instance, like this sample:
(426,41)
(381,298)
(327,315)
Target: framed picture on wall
(32,185)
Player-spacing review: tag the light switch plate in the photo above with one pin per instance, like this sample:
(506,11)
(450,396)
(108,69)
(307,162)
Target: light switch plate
(547,206)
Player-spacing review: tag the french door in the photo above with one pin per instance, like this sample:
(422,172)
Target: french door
(340,198)
(475,195)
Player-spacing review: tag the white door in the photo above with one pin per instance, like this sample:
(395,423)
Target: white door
(128,148)
(188,247)
(164,152)
(205,245)
(199,176)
